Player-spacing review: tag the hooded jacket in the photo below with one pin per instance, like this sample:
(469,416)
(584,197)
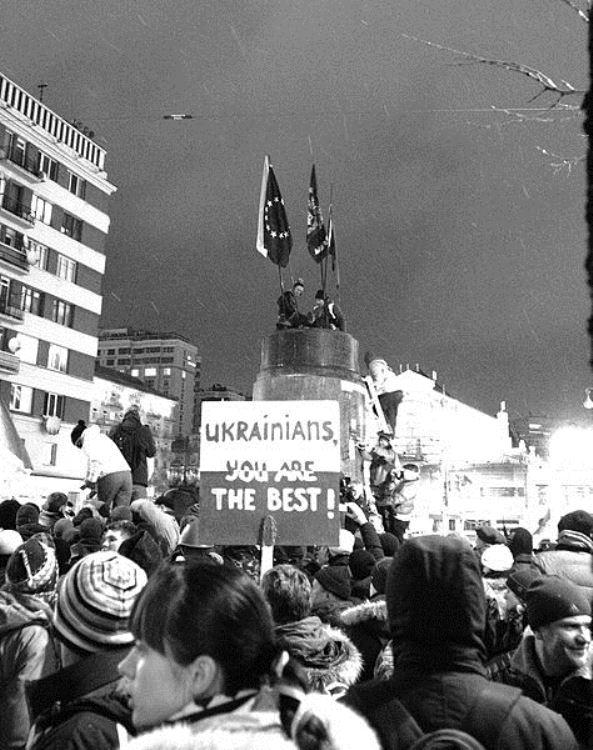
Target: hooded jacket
(27,652)
(143,445)
(436,608)
(571,559)
(329,658)
(367,627)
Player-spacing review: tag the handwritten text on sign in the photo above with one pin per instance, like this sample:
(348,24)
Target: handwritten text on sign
(279,458)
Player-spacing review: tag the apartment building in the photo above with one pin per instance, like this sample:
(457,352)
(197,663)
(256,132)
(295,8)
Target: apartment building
(165,361)
(53,228)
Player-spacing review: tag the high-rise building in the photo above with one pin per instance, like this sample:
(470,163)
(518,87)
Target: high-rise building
(53,228)
(216,392)
(165,361)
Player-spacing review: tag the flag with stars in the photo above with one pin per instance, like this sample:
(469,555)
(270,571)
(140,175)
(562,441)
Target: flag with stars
(274,239)
(316,239)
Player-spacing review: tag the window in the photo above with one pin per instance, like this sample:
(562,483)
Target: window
(57,358)
(134,372)
(41,252)
(48,166)
(123,351)
(166,370)
(72,227)
(76,185)
(124,361)
(53,405)
(61,313)
(11,237)
(150,372)
(66,268)
(28,349)
(49,454)
(31,301)
(110,363)
(110,351)
(21,398)
(42,209)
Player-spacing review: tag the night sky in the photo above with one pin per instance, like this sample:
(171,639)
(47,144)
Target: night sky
(461,245)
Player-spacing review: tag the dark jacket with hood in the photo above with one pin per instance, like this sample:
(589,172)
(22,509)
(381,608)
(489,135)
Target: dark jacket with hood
(142,445)
(81,707)
(436,608)
(571,559)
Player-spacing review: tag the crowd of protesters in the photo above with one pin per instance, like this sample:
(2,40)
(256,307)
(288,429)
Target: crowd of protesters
(120,627)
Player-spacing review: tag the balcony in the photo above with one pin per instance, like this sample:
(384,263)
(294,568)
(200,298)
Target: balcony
(13,257)
(18,210)
(24,166)
(9,363)
(10,312)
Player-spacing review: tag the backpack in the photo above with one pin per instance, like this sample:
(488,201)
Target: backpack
(128,446)
(489,711)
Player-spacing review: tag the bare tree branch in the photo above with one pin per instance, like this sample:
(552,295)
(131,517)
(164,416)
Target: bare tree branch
(560,89)
(562,162)
(581,13)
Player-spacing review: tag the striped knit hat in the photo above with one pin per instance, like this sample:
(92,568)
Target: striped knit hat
(95,600)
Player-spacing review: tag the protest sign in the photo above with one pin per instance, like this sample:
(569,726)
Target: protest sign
(270,458)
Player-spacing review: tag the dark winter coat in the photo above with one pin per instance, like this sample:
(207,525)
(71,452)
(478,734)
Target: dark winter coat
(143,446)
(80,707)
(570,697)
(436,607)
(571,559)
(367,627)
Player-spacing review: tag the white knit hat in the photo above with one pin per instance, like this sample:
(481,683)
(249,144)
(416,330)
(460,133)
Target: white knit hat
(498,558)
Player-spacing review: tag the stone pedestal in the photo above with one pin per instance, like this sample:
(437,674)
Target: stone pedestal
(313,364)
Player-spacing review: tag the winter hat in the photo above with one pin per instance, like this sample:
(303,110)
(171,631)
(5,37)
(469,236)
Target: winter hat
(26,514)
(361,563)
(345,545)
(120,513)
(76,433)
(379,574)
(489,535)
(32,568)
(552,598)
(10,540)
(578,520)
(91,530)
(390,543)
(497,558)
(55,502)
(8,511)
(143,550)
(520,580)
(336,580)
(521,542)
(95,600)
(82,515)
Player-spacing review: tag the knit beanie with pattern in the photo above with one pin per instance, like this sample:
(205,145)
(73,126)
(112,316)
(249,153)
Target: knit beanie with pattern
(95,601)
(32,569)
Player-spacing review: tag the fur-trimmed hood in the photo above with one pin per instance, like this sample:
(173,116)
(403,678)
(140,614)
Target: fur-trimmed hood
(328,656)
(371,610)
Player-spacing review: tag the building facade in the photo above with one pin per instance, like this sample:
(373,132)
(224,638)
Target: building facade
(54,223)
(216,392)
(164,361)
